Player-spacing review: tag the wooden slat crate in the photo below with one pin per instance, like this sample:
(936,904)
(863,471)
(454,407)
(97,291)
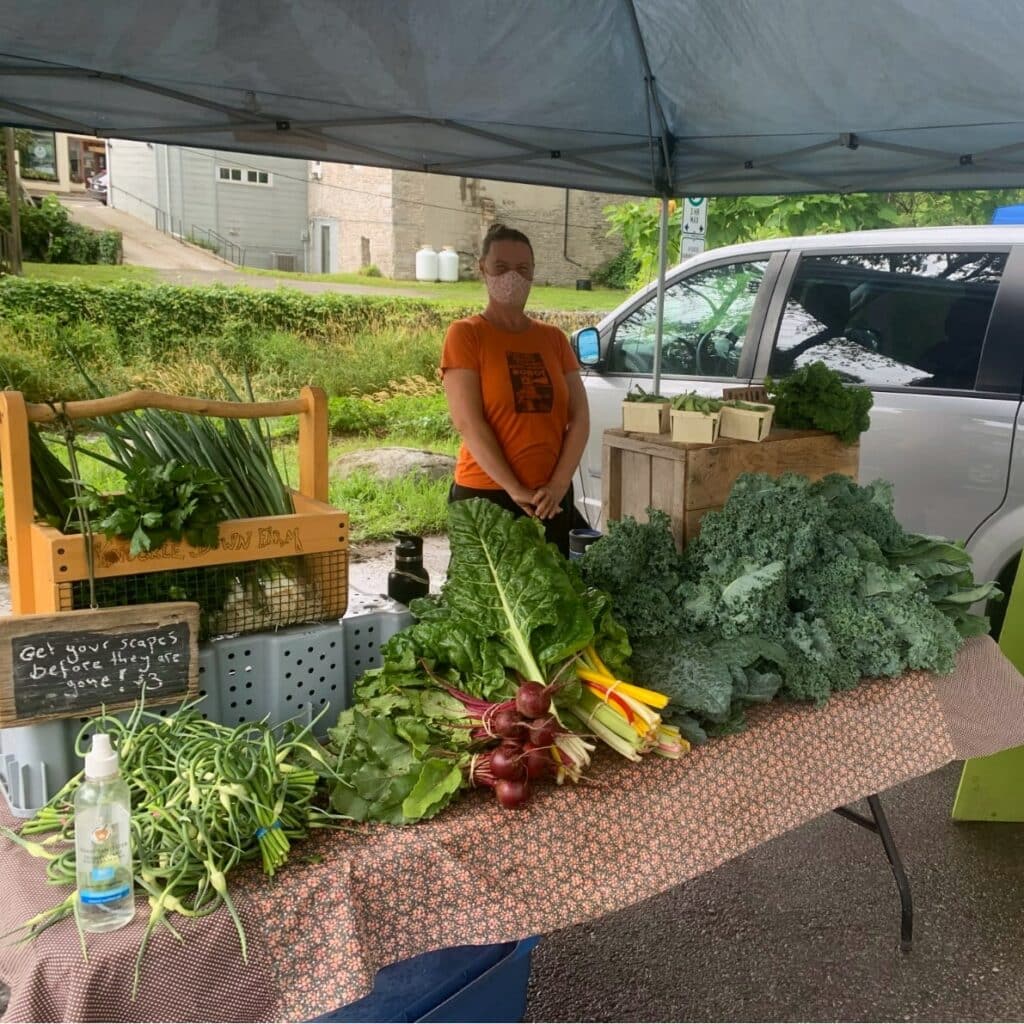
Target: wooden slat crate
(688,480)
(45,563)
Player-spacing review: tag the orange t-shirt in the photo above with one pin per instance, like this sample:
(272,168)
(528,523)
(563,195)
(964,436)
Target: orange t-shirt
(525,395)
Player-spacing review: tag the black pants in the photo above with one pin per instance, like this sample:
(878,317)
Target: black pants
(556,529)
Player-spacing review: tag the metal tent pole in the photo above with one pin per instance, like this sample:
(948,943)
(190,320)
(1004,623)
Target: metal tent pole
(659,316)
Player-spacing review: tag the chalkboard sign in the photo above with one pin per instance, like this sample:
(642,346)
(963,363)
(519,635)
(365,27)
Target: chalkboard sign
(75,663)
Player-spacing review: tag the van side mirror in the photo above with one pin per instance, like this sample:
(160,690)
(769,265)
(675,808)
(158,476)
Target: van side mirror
(587,343)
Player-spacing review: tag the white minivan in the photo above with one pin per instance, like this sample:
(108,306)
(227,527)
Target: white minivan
(931,319)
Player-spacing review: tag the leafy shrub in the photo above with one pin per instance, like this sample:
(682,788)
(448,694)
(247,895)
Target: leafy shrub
(156,319)
(618,272)
(371,271)
(48,235)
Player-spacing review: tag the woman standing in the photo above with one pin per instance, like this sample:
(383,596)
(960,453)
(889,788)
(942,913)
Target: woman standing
(515,396)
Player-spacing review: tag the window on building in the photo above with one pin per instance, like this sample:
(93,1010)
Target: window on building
(39,157)
(910,319)
(244,176)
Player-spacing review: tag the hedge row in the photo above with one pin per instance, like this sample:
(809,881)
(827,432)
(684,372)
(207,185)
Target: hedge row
(167,316)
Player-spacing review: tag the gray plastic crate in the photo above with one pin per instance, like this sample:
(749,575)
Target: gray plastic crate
(291,674)
(371,619)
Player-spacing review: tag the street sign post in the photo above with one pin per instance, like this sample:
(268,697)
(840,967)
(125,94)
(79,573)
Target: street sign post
(694,223)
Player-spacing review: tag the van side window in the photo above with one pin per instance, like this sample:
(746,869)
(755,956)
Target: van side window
(911,319)
(705,324)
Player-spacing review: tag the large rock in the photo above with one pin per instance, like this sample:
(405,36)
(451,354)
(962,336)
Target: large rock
(392,463)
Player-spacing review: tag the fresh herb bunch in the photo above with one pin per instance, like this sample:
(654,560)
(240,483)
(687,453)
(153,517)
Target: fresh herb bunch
(166,501)
(815,398)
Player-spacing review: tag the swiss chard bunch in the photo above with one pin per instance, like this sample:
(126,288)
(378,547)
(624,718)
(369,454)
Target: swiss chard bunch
(162,502)
(815,398)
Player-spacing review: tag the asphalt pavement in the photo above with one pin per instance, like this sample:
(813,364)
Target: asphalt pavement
(806,928)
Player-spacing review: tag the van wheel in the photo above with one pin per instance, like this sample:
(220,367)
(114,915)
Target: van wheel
(996,610)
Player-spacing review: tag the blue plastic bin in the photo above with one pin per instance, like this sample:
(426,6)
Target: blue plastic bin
(486,984)
(1008,215)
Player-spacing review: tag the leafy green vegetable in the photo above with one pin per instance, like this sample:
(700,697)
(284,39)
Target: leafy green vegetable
(637,394)
(815,398)
(166,501)
(691,401)
(793,587)
(508,592)
(398,758)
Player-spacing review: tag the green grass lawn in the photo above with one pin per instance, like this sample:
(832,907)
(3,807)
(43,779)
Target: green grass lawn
(542,297)
(99,273)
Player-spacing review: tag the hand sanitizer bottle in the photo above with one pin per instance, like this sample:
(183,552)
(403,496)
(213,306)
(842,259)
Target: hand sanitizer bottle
(103,846)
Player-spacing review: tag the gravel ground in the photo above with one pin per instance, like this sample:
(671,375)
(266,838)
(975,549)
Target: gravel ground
(370,563)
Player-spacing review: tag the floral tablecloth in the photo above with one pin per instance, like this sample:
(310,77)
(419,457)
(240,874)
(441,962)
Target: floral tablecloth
(349,904)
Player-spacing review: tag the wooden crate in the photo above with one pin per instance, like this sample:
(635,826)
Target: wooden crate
(44,562)
(688,480)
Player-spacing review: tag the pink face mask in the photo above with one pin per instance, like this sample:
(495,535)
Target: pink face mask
(510,288)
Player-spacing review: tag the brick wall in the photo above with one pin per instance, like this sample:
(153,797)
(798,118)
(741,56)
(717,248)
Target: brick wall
(360,199)
(394,213)
(457,211)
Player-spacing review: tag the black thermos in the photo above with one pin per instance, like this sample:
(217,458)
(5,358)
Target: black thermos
(408,579)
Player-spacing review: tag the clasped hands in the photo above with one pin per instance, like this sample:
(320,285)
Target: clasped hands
(543,502)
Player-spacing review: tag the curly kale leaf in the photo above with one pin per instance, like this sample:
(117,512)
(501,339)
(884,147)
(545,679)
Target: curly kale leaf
(637,563)
(689,671)
(815,398)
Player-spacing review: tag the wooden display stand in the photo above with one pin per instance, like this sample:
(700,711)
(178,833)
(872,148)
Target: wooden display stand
(688,480)
(44,562)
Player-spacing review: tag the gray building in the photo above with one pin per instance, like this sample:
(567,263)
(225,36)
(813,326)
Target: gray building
(254,209)
(286,214)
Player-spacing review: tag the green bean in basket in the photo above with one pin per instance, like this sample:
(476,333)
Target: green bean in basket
(693,402)
(205,798)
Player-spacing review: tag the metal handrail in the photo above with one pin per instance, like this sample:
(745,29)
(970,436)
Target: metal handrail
(224,247)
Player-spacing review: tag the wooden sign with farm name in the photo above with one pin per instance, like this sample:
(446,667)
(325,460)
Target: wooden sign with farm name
(76,663)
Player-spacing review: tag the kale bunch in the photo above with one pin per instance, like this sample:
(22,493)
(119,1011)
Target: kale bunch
(792,587)
(815,398)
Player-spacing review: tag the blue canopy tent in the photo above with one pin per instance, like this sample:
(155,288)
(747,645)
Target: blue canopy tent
(650,97)
(646,97)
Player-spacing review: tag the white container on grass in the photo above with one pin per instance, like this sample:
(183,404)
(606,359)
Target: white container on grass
(426,264)
(448,264)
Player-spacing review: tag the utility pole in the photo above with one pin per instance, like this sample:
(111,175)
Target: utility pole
(12,195)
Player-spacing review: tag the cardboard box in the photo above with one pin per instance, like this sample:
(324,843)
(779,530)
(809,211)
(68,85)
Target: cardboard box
(695,427)
(747,424)
(645,417)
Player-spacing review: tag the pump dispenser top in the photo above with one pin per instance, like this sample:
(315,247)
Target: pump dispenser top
(101,762)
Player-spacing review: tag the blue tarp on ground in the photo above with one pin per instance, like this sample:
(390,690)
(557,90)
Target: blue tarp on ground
(698,97)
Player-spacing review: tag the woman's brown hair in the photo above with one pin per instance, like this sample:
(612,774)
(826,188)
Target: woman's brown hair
(501,233)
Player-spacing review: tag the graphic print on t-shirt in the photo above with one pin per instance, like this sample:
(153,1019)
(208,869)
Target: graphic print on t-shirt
(531,384)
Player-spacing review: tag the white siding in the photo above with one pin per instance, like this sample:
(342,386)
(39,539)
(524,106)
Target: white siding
(133,179)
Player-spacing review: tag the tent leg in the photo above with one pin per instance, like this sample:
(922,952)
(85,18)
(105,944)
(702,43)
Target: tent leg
(660,315)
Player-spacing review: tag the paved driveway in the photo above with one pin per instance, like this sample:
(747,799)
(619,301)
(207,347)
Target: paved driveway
(178,263)
(143,245)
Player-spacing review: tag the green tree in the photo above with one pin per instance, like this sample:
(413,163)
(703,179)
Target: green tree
(733,219)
